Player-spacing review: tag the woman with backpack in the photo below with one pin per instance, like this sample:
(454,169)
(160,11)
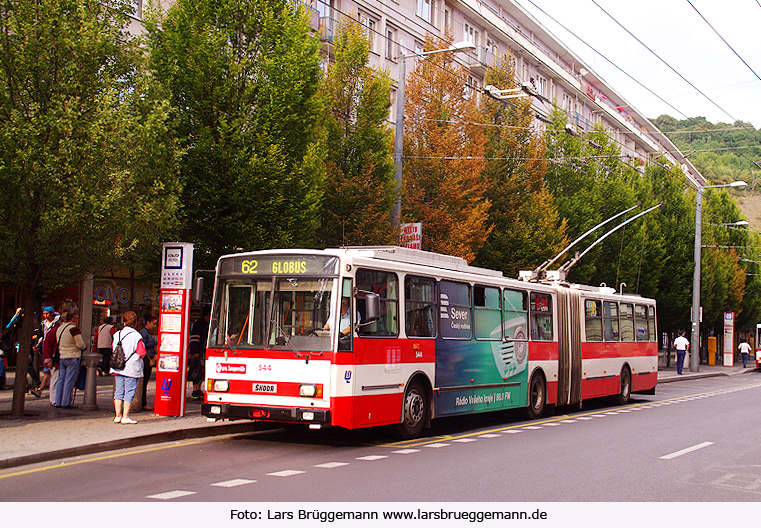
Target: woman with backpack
(126,378)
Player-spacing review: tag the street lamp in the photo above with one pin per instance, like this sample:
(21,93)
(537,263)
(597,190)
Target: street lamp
(695,335)
(399,137)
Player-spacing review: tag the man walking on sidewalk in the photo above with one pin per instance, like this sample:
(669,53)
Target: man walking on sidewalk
(744,351)
(682,346)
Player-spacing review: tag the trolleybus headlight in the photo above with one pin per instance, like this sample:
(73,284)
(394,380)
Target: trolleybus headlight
(307,415)
(215,409)
(219,385)
(310,391)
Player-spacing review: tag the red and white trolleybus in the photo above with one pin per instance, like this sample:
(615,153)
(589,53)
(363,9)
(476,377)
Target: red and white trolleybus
(369,336)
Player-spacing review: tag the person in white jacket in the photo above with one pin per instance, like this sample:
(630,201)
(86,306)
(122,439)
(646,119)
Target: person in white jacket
(126,379)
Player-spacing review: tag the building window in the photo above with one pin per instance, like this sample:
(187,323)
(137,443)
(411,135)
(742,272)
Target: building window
(370,27)
(471,34)
(471,87)
(390,43)
(524,71)
(447,18)
(541,85)
(492,47)
(425,10)
(567,103)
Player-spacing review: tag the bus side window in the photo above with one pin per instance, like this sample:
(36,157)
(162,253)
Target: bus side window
(385,284)
(640,323)
(627,322)
(541,317)
(515,315)
(610,321)
(455,313)
(593,320)
(487,316)
(651,323)
(419,305)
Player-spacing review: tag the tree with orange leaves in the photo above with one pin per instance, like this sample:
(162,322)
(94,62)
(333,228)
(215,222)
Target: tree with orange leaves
(442,184)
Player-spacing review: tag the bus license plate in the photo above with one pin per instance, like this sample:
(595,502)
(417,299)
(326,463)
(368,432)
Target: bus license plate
(269,388)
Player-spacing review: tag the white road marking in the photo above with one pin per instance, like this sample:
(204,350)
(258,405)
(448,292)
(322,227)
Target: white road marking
(371,458)
(436,446)
(171,495)
(489,435)
(286,473)
(685,451)
(233,483)
(331,465)
(406,451)
(532,427)
(512,431)
(465,440)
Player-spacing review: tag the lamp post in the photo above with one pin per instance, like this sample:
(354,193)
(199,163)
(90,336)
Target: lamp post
(695,335)
(399,135)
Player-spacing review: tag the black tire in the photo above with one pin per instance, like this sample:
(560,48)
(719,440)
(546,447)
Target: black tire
(537,397)
(414,411)
(625,386)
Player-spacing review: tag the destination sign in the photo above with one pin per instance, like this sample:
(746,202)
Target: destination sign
(268,265)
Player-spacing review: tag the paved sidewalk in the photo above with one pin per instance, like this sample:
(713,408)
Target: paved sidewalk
(47,433)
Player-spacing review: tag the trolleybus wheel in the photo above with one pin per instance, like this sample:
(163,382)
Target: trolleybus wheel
(625,386)
(414,411)
(537,396)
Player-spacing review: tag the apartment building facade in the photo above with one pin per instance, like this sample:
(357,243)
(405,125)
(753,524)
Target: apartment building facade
(495,27)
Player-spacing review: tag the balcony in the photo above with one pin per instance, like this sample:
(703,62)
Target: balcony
(479,60)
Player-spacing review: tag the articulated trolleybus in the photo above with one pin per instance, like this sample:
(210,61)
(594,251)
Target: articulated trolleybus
(371,336)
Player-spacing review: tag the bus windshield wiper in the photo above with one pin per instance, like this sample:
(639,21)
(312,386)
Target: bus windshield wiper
(282,340)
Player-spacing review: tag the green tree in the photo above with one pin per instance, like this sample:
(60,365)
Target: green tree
(359,189)
(443,186)
(243,79)
(86,160)
(527,228)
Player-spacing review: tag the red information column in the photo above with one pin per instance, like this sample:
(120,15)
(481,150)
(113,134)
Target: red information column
(174,325)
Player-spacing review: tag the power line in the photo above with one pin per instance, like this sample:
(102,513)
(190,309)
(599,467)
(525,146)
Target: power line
(723,39)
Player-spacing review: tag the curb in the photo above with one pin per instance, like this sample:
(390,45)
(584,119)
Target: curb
(688,377)
(122,443)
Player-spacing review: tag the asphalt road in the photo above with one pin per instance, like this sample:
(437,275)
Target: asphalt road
(693,441)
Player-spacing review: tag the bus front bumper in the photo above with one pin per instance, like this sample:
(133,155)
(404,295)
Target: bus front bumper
(271,414)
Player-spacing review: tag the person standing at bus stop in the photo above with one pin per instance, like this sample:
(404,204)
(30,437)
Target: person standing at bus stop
(126,379)
(197,351)
(682,346)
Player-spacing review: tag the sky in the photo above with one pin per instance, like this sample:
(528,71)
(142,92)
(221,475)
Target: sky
(675,31)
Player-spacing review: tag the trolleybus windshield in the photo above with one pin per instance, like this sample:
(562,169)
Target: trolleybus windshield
(274,302)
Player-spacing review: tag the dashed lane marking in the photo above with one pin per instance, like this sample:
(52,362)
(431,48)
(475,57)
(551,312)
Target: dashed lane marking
(233,483)
(169,495)
(331,465)
(285,473)
(372,458)
(686,450)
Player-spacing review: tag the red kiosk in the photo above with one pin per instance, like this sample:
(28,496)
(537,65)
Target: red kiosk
(174,315)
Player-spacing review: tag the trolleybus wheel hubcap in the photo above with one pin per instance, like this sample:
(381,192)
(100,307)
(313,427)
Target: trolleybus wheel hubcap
(414,407)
